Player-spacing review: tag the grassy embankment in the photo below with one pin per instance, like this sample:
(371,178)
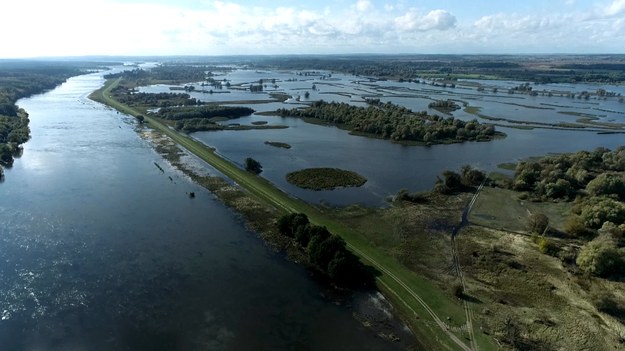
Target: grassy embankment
(423,305)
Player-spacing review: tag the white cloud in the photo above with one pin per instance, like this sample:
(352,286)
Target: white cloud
(70,27)
(617,7)
(364,5)
(436,19)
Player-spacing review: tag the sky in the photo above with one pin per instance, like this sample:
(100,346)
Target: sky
(45,28)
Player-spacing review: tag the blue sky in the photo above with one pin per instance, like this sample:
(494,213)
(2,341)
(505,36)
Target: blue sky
(206,27)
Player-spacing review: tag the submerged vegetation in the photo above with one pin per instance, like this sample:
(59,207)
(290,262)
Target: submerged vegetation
(445,106)
(325,178)
(394,122)
(278,144)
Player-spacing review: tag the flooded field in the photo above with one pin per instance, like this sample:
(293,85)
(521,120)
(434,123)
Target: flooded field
(551,121)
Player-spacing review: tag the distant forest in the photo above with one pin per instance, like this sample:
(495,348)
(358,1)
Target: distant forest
(541,68)
(19,79)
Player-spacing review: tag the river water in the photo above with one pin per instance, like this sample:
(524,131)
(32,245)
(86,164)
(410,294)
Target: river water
(100,250)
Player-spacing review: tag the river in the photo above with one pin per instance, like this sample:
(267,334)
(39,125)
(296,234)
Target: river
(100,250)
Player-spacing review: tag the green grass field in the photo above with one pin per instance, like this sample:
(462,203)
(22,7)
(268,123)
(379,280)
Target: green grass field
(424,305)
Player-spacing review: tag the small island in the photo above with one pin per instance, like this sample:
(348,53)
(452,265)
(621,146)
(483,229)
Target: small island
(325,178)
(278,144)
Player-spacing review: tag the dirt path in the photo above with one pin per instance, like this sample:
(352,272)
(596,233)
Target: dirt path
(456,264)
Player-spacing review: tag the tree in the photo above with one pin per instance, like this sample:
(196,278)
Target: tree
(471,176)
(607,184)
(598,210)
(599,257)
(306,95)
(575,226)
(253,166)
(140,118)
(290,223)
(537,223)
(326,250)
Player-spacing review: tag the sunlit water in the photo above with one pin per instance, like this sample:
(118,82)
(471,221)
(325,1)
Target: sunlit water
(100,250)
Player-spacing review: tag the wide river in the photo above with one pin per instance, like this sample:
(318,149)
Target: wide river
(100,250)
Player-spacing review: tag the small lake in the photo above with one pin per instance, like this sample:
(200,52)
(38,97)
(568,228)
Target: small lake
(100,250)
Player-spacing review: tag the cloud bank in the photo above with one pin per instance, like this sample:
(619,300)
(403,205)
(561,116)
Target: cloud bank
(71,27)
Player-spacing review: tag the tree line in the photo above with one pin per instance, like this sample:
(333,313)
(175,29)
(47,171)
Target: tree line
(326,252)
(394,122)
(19,80)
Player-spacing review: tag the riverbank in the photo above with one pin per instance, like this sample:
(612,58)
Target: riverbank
(423,305)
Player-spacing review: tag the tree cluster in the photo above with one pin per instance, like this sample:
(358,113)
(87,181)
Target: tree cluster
(204,111)
(326,251)
(253,166)
(444,105)
(131,98)
(453,182)
(564,176)
(391,121)
(596,180)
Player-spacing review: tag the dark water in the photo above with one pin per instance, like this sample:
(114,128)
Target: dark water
(99,250)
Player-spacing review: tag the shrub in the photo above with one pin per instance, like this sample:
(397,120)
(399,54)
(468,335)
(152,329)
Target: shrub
(253,166)
(599,257)
(607,184)
(546,246)
(599,210)
(538,223)
(458,290)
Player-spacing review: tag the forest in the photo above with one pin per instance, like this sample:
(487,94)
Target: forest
(538,68)
(394,122)
(18,80)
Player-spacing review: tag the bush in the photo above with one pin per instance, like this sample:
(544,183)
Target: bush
(472,176)
(599,210)
(253,166)
(612,230)
(574,226)
(599,257)
(607,184)
(458,290)
(538,223)
(546,246)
